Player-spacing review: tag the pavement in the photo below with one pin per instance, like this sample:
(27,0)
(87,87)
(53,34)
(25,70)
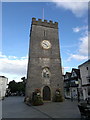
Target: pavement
(0,109)
(14,107)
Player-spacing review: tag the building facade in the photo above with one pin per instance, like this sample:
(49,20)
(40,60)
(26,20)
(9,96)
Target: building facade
(3,86)
(67,78)
(85,78)
(44,64)
(75,83)
(72,83)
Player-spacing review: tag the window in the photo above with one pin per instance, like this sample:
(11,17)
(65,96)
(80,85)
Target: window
(44,33)
(46,73)
(74,74)
(87,68)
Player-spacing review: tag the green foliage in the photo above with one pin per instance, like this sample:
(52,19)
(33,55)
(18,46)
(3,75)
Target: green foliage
(58,96)
(36,98)
(16,87)
(12,86)
(20,87)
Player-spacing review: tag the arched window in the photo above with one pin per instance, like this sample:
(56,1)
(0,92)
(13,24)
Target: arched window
(46,73)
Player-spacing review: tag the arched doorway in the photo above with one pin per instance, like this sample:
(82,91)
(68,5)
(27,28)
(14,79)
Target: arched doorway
(46,93)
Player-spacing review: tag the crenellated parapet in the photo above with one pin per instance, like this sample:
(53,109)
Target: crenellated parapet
(45,23)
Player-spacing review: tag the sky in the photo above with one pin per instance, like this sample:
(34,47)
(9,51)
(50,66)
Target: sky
(72,18)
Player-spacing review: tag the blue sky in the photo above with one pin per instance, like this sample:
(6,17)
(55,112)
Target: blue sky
(16,22)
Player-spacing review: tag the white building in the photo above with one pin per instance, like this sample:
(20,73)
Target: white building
(85,78)
(3,86)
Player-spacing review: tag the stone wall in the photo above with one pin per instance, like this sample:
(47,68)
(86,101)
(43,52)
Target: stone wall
(40,58)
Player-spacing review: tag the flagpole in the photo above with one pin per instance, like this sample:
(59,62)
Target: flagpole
(43,14)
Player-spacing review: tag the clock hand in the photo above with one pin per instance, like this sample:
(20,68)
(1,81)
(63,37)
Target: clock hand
(45,44)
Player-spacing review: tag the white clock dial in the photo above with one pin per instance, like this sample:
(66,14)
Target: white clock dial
(46,44)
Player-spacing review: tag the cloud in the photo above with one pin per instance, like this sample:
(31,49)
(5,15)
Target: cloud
(82,51)
(89,45)
(77,57)
(41,0)
(70,0)
(83,48)
(13,66)
(67,68)
(76,7)
(78,29)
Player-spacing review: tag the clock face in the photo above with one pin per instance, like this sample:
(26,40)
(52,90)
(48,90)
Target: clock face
(46,44)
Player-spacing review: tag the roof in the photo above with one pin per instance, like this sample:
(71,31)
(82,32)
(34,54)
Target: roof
(84,63)
(68,73)
(3,76)
(77,71)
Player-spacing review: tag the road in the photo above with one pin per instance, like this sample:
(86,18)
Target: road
(0,109)
(14,107)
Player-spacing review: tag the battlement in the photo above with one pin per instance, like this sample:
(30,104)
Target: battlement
(45,23)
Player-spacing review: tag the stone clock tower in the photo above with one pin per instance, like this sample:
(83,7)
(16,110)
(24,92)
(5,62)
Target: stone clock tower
(44,64)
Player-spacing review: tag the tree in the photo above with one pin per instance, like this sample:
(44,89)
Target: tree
(21,88)
(17,87)
(12,86)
